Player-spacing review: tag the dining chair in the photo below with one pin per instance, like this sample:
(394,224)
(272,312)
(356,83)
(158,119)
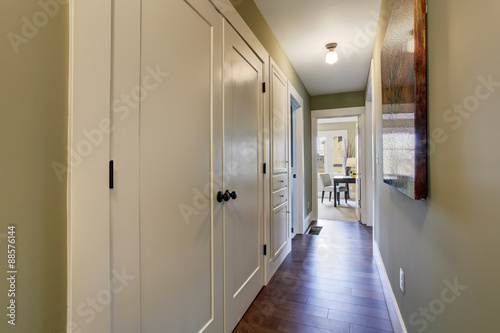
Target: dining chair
(326,179)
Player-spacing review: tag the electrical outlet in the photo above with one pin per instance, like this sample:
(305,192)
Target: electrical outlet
(402,280)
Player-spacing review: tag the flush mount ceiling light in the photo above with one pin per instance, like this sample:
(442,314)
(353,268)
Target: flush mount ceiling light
(332,56)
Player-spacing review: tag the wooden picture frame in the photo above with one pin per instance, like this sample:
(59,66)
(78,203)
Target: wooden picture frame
(404,99)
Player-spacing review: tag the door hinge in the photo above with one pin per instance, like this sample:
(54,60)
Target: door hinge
(265,249)
(292,230)
(264,168)
(263,87)
(111,174)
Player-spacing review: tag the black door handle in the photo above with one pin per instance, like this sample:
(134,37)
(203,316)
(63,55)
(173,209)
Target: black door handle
(226,196)
(230,195)
(220,196)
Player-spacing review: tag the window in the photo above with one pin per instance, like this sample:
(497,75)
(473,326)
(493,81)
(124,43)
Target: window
(338,155)
(320,154)
(331,152)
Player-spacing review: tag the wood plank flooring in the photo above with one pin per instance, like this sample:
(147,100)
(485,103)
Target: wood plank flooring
(328,283)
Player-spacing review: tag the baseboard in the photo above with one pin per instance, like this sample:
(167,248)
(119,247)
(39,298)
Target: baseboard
(397,321)
(279,261)
(307,222)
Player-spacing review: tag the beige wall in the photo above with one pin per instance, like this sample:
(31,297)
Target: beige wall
(349,126)
(454,234)
(252,16)
(338,101)
(33,134)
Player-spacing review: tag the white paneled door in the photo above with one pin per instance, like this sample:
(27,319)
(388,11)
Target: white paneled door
(279,226)
(181,168)
(244,264)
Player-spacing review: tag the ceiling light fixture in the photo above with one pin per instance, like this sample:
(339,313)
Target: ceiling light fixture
(332,56)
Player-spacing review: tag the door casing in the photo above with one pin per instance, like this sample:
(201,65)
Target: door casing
(298,143)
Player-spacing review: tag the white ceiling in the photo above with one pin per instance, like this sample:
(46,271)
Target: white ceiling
(304,27)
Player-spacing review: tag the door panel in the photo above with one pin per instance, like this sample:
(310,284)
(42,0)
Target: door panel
(242,217)
(279,237)
(279,121)
(180,151)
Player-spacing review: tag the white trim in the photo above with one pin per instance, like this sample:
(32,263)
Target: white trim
(307,221)
(331,113)
(226,8)
(362,162)
(397,321)
(369,154)
(299,162)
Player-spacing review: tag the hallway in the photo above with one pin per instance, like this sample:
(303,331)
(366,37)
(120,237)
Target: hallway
(328,283)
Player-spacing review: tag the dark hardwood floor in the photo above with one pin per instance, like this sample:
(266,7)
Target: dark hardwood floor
(328,283)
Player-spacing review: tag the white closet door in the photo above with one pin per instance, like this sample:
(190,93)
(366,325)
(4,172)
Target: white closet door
(180,168)
(279,228)
(243,215)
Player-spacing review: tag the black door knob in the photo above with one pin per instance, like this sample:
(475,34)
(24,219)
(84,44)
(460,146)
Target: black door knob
(227,195)
(234,195)
(220,196)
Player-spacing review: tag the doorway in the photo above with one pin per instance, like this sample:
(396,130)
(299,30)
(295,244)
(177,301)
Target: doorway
(296,165)
(336,157)
(337,148)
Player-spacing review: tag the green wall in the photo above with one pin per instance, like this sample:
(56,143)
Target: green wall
(454,234)
(33,134)
(338,101)
(252,16)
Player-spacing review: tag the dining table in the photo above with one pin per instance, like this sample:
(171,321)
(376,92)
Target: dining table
(341,180)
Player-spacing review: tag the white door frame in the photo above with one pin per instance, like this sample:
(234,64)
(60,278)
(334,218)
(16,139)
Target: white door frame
(335,113)
(299,158)
(370,153)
